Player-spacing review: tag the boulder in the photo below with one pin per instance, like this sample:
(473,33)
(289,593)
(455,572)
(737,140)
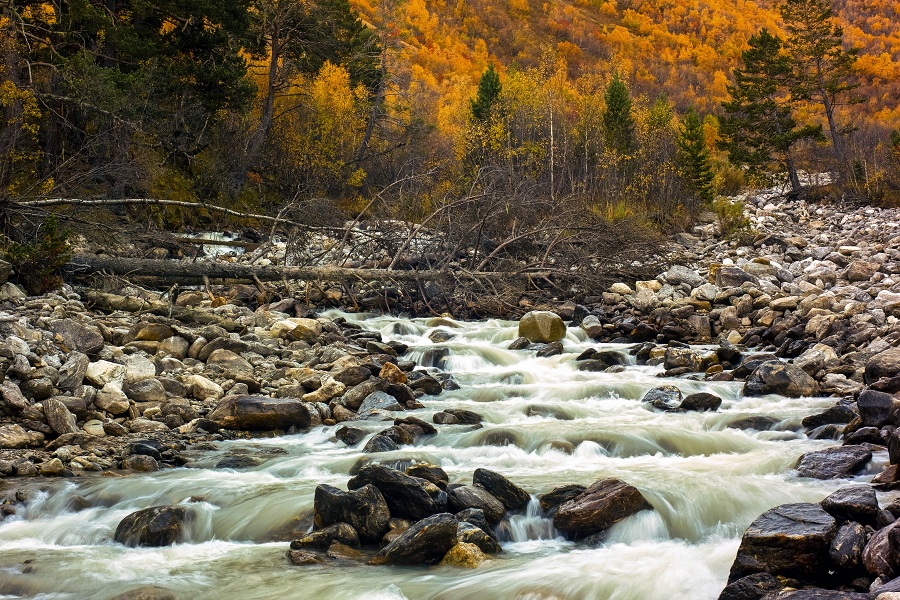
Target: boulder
(664,397)
(323,538)
(677,274)
(775,377)
(112,399)
(156,526)
(733,277)
(472,534)
(425,543)
(861,270)
(853,503)
(102,372)
(381,401)
(883,364)
(832,463)
(848,544)
(364,509)
(202,388)
(512,496)
(701,401)
(78,336)
(677,358)
(14,436)
(259,413)
(473,496)
(791,540)
(876,409)
(751,587)
(407,497)
(881,552)
(542,326)
(558,496)
(600,506)
(146,390)
(464,555)
(12,396)
(58,417)
(72,373)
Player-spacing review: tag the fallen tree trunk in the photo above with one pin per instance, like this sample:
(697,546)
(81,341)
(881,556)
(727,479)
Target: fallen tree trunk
(115,302)
(186,272)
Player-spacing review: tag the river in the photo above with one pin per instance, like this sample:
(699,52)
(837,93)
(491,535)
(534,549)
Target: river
(706,481)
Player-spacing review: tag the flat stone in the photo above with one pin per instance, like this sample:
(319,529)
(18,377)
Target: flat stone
(833,463)
(260,413)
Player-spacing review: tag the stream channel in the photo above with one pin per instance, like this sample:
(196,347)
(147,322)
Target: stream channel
(705,480)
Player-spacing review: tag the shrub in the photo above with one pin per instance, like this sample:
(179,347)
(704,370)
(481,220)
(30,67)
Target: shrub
(731,216)
(37,264)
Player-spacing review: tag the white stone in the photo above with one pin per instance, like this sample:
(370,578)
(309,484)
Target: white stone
(112,399)
(138,367)
(202,388)
(103,372)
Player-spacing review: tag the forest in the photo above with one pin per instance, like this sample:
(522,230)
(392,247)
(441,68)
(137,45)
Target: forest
(521,119)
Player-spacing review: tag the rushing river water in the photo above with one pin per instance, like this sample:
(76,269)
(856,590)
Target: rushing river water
(706,481)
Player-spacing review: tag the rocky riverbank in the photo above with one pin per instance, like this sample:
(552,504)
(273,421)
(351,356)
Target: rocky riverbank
(809,306)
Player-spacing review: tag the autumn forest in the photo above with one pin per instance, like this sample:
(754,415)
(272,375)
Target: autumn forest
(628,110)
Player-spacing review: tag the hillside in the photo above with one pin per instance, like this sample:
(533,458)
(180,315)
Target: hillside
(685,49)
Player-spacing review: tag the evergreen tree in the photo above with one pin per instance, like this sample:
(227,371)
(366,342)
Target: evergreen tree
(758,128)
(693,157)
(618,122)
(822,69)
(488,91)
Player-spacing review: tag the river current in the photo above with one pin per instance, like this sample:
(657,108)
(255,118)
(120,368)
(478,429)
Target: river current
(705,480)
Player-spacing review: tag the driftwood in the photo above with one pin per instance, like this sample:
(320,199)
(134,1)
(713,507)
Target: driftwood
(115,302)
(170,271)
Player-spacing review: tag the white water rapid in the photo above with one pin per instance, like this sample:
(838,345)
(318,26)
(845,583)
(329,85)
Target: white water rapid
(706,482)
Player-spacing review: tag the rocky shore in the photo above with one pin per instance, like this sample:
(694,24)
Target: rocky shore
(806,305)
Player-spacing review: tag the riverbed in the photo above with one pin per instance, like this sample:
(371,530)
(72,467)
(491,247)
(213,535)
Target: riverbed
(557,425)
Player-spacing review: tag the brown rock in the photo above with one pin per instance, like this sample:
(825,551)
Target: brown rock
(603,504)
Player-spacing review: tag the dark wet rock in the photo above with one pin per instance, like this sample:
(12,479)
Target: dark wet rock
(560,495)
(883,364)
(432,473)
(880,556)
(396,529)
(751,587)
(866,435)
(363,508)
(751,362)
(832,463)
(445,418)
(77,336)
(665,397)
(323,538)
(407,497)
(380,443)
(425,543)
(757,422)
(415,426)
(847,546)
(419,380)
(519,343)
(775,377)
(839,413)
(791,540)
(260,413)
(471,534)
(822,594)
(600,506)
(512,496)
(303,558)
(473,496)
(351,435)
(156,526)
(853,503)
(239,461)
(877,409)
(466,417)
(475,516)
(701,402)
(551,349)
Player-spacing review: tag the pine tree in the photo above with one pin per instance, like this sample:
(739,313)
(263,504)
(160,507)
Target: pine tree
(489,89)
(617,119)
(693,157)
(758,128)
(822,69)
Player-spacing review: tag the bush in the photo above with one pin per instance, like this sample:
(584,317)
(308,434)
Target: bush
(37,264)
(731,216)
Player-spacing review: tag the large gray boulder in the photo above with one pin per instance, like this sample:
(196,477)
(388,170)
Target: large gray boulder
(78,336)
(791,540)
(260,413)
(603,504)
(541,326)
(833,463)
(883,364)
(776,377)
